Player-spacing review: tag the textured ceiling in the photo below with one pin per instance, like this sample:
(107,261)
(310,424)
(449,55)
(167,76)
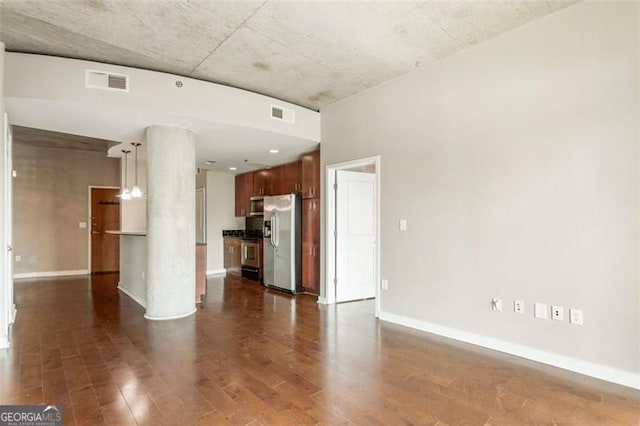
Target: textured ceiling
(308,53)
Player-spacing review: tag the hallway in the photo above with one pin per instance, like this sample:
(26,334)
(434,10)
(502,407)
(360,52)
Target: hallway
(255,356)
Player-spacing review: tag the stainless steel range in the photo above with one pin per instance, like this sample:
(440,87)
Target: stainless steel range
(251,249)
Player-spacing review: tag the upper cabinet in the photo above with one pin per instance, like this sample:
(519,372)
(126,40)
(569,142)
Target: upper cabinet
(277,181)
(311,175)
(299,177)
(262,182)
(292,180)
(244,191)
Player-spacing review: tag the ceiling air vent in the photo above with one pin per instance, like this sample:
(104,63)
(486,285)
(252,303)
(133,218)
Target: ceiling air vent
(282,114)
(106,80)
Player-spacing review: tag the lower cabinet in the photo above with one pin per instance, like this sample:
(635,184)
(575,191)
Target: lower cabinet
(311,268)
(311,245)
(232,259)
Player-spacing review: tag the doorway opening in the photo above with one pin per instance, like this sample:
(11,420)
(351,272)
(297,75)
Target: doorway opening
(352,234)
(104,214)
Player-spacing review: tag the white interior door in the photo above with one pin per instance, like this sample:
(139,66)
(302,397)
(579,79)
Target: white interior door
(8,214)
(355,235)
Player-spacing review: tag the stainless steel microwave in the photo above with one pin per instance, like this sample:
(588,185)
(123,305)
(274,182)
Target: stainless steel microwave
(257,206)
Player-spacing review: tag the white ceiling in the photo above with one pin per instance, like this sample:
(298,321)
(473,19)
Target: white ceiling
(309,53)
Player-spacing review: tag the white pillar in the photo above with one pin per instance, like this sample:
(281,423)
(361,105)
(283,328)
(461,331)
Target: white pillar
(171,233)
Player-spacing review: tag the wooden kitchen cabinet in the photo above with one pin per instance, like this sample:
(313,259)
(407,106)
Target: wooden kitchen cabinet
(311,221)
(311,175)
(232,256)
(311,245)
(277,181)
(311,268)
(201,272)
(244,191)
(292,179)
(262,182)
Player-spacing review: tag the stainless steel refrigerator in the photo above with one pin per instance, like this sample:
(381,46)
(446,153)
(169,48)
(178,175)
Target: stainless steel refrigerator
(282,242)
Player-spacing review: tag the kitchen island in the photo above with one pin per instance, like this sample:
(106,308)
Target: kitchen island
(133,266)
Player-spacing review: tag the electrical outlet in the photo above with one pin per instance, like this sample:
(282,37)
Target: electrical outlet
(557,313)
(82,224)
(403,224)
(541,310)
(18,258)
(518,306)
(385,284)
(496,305)
(575,316)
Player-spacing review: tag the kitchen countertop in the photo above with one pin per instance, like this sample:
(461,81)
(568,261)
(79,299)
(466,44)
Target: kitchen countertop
(133,233)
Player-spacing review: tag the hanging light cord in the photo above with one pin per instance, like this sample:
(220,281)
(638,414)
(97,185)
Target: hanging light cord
(135,191)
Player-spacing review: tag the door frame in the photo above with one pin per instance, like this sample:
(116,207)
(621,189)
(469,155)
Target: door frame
(330,238)
(7,305)
(89,220)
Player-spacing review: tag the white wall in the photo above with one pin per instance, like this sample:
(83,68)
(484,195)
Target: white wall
(220,215)
(515,163)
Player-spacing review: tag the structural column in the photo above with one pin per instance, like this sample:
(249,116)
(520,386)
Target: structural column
(171,233)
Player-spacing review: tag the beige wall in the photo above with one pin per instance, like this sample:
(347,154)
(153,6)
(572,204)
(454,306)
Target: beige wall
(515,163)
(220,215)
(50,199)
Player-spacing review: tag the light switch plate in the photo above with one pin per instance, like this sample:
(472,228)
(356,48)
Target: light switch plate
(575,316)
(385,284)
(541,310)
(403,224)
(82,224)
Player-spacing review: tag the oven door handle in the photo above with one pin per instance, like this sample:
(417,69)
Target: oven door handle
(245,252)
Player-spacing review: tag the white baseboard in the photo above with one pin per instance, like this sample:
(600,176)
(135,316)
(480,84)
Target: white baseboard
(138,300)
(217,272)
(149,317)
(599,371)
(51,274)
(322,300)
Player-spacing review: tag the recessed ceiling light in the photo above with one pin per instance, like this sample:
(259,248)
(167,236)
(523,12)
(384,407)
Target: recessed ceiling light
(233,168)
(209,162)
(273,151)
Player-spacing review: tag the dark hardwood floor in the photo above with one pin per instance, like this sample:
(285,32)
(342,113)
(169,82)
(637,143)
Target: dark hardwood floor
(253,356)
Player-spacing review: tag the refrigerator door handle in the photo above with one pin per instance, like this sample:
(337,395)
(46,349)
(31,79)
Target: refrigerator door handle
(274,233)
(273,230)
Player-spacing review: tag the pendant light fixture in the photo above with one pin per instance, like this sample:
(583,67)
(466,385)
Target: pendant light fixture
(135,191)
(125,194)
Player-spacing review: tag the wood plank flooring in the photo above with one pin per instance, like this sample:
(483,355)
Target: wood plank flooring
(255,356)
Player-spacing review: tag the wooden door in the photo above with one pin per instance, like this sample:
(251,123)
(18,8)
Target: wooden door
(105,216)
(292,177)
(311,175)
